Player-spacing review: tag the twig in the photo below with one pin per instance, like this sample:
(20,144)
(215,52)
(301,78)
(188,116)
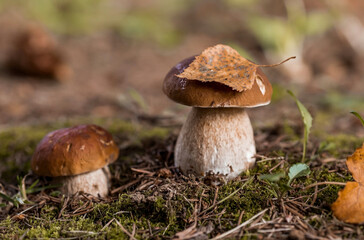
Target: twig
(216,195)
(121,188)
(324,183)
(150,228)
(274,230)
(124,230)
(314,196)
(107,224)
(143,171)
(27,209)
(66,200)
(222,236)
(226,198)
(24,234)
(277,165)
(134,229)
(265,159)
(241,217)
(165,230)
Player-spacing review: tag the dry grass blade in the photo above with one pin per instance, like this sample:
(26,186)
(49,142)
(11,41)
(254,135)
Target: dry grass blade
(222,236)
(121,188)
(107,224)
(124,230)
(143,171)
(226,198)
(325,183)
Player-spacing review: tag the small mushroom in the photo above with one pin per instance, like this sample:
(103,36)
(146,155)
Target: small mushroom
(36,53)
(217,136)
(77,158)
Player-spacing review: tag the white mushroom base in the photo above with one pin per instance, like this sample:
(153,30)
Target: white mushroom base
(216,140)
(95,183)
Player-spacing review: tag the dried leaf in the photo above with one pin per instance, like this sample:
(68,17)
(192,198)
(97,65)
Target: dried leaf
(355,164)
(224,65)
(349,206)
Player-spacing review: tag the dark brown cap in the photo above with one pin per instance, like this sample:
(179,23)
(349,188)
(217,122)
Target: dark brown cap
(213,94)
(75,150)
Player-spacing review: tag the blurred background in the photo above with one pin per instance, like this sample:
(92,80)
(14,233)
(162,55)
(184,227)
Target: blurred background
(107,58)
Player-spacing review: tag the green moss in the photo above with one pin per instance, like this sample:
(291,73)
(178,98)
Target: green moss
(169,210)
(340,144)
(328,193)
(156,132)
(169,214)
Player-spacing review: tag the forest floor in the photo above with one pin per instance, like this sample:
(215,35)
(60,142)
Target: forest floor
(151,199)
(117,84)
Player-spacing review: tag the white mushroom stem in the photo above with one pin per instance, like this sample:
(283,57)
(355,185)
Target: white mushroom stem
(96,183)
(217,140)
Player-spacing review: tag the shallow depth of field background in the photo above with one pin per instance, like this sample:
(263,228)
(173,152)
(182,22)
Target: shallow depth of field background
(120,51)
(116,54)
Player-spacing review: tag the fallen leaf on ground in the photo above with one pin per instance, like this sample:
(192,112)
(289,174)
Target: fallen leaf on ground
(349,206)
(224,65)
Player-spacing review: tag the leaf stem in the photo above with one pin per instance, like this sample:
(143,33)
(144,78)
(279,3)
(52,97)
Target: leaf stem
(277,64)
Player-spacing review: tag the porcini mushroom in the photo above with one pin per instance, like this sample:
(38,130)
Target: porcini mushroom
(35,52)
(217,136)
(78,158)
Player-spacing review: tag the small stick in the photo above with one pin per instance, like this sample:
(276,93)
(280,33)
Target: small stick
(26,210)
(143,171)
(124,230)
(226,198)
(222,236)
(126,186)
(241,217)
(107,224)
(324,183)
(215,197)
(134,229)
(150,228)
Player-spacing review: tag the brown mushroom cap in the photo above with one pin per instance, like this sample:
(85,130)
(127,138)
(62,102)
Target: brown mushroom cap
(75,150)
(212,94)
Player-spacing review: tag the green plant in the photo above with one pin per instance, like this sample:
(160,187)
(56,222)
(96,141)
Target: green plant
(284,36)
(358,116)
(307,121)
(280,188)
(20,197)
(298,170)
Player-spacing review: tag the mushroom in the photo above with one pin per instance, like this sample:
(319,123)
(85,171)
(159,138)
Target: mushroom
(35,52)
(77,158)
(217,136)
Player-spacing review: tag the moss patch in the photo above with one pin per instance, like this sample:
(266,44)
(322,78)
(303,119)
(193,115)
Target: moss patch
(159,206)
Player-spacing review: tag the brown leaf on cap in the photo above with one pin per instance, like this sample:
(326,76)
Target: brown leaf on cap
(224,65)
(349,206)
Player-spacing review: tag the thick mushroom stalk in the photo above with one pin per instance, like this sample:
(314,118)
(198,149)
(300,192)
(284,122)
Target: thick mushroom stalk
(96,183)
(217,140)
